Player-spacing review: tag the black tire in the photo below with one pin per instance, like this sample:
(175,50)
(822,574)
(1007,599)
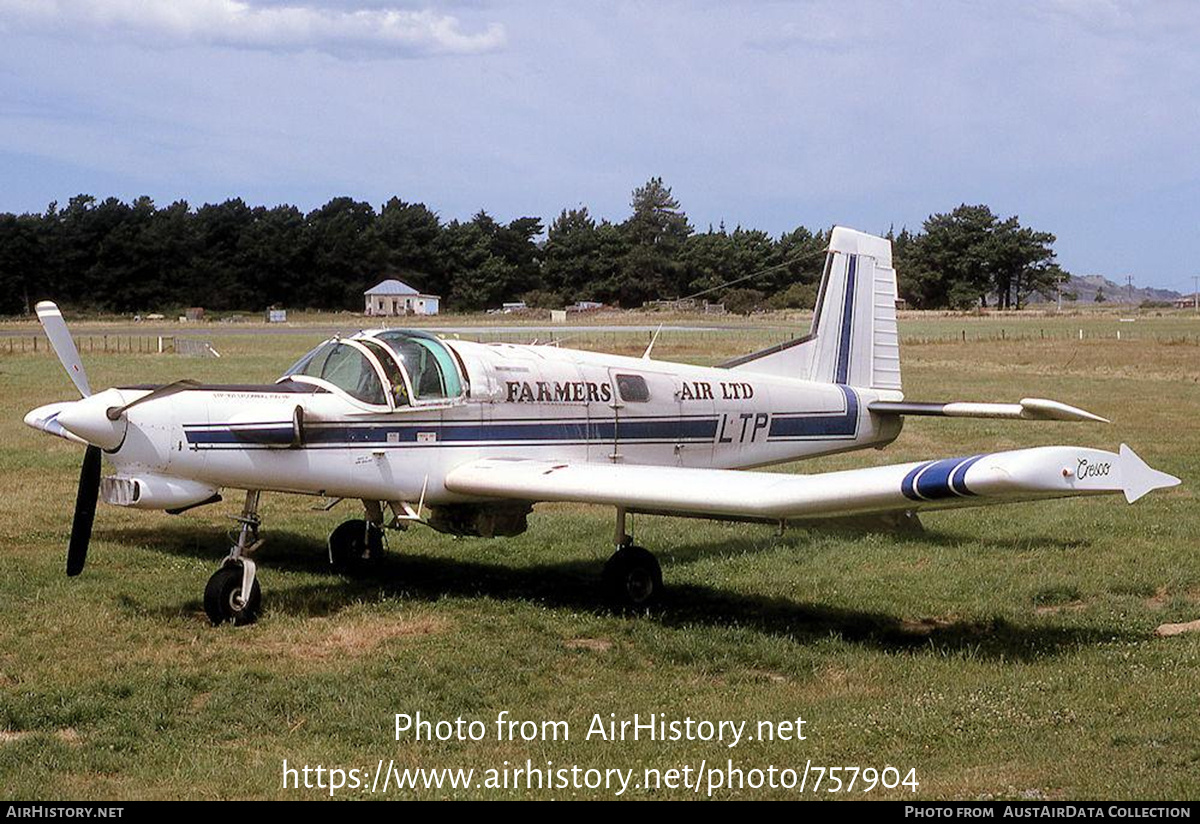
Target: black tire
(223,598)
(355,547)
(632,577)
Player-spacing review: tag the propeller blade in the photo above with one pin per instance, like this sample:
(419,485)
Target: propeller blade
(64,346)
(85,511)
(115,412)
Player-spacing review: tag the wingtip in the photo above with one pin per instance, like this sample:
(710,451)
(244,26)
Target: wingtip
(1046,409)
(1139,478)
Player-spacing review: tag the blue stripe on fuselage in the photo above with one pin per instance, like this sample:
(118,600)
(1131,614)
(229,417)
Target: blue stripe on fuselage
(818,424)
(685,429)
(783,426)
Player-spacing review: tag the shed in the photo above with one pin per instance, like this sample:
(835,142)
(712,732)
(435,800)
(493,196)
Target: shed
(394,297)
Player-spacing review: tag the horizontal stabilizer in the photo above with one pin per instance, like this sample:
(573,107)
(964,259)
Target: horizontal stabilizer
(1029,409)
(1018,475)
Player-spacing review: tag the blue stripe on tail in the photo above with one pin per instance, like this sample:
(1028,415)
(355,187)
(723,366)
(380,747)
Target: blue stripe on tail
(843,357)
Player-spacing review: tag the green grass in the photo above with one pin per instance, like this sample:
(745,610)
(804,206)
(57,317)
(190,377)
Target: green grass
(1006,651)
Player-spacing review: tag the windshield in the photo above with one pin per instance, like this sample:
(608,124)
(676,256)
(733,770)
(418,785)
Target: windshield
(430,366)
(346,367)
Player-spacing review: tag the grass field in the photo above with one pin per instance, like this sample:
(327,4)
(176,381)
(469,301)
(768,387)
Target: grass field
(1005,653)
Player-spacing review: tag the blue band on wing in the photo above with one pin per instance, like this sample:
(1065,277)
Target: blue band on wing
(958,478)
(906,486)
(937,480)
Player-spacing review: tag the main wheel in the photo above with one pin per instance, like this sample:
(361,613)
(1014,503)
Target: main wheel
(632,577)
(223,599)
(355,547)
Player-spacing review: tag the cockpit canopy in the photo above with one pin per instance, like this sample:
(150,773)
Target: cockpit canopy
(390,368)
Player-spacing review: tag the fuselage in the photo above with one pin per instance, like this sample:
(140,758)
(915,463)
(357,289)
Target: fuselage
(310,436)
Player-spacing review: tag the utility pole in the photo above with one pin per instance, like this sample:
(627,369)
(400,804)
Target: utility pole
(1196,292)
(1129,289)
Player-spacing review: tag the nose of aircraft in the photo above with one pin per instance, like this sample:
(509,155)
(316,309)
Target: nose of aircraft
(88,419)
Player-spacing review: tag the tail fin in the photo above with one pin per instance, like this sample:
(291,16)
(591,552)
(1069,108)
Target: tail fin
(853,339)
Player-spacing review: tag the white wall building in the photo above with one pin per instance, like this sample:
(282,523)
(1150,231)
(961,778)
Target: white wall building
(392,297)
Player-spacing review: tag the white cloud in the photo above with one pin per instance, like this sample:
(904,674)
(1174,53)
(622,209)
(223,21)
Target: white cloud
(373,31)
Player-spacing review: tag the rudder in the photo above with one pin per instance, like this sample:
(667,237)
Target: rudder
(853,340)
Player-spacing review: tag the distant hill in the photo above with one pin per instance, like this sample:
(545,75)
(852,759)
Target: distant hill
(1086,287)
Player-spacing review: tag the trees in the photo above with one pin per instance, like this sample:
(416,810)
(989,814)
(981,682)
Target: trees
(655,233)
(969,255)
(1022,263)
(346,253)
(948,264)
(581,259)
(20,261)
(486,263)
(138,257)
(408,232)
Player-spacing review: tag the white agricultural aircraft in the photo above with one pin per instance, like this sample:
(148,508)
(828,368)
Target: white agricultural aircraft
(465,437)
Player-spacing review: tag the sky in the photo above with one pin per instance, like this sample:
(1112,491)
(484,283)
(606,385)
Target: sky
(1081,117)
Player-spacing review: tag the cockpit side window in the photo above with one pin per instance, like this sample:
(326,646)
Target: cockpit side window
(430,366)
(398,386)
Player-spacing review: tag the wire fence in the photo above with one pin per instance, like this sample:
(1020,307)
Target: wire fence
(746,338)
(113,345)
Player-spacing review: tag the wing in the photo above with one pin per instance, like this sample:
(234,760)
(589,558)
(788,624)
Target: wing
(1024,474)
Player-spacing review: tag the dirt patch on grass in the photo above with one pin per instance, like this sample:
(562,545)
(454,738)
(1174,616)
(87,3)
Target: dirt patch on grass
(67,735)
(926,626)
(837,682)
(1167,630)
(593,644)
(1055,609)
(325,638)
(1159,599)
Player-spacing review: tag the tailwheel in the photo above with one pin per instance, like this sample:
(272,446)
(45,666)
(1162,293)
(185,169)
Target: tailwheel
(355,547)
(632,577)
(224,600)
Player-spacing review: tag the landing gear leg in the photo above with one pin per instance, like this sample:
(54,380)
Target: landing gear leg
(356,546)
(233,593)
(632,576)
